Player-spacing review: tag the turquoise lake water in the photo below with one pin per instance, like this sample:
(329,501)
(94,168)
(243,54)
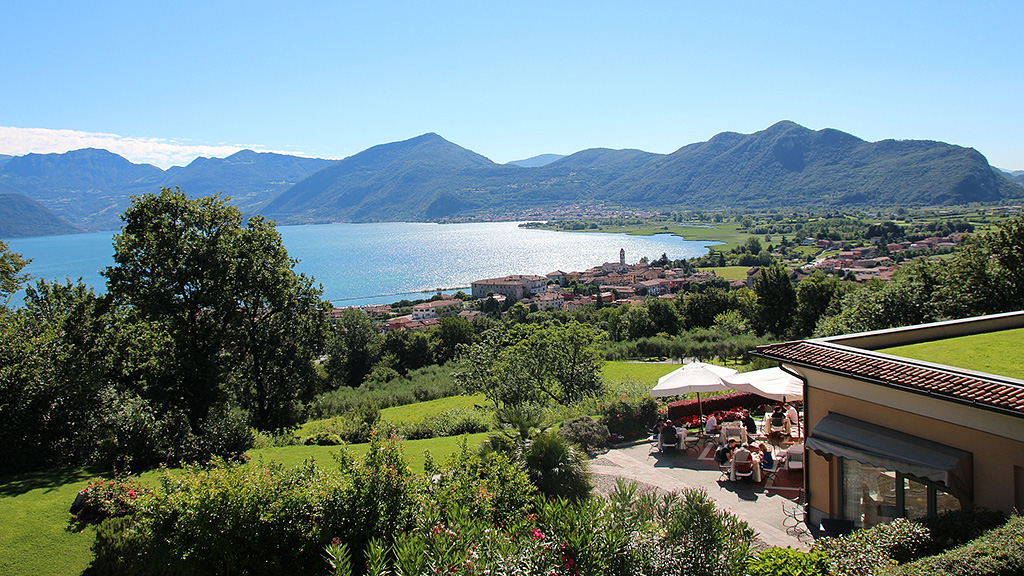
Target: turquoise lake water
(379,263)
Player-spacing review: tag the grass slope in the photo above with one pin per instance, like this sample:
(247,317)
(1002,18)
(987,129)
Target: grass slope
(994,352)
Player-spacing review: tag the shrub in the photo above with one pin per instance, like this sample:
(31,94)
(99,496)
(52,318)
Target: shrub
(257,519)
(102,499)
(427,383)
(999,552)
(586,432)
(323,439)
(701,539)
(777,561)
(955,527)
(269,440)
(556,468)
(629,417)
(447,423)
(865,551)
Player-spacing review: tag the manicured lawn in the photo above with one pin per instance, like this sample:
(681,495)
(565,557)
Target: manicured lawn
(994,352)
(730,272)
(439,448)
(421,410)
(414,412)
(645,372)
(34,507)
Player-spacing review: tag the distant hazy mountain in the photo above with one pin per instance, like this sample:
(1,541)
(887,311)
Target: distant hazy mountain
(248,178)
(4,158)
(537,161)
(90,187)
(785,165)
(1015,175)
(23,216)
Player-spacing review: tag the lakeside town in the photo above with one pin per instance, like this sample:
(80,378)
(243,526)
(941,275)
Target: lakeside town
(620,283)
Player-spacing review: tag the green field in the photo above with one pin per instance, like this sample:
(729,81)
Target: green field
(644,372)
(399,415)
(730,272)
(34,507)
(994,352)
(728,234)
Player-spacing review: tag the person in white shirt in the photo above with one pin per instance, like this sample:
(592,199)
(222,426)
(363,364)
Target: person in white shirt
(711,425)
(792,414)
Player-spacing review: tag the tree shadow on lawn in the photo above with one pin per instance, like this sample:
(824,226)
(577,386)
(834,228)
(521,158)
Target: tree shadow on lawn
(50,479)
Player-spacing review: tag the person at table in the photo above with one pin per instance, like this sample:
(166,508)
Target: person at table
(792,414)
(711,424)
(669,436)
(780,420)
(659,425)
(743,461)
(724,452)
(748,422)
(765,456)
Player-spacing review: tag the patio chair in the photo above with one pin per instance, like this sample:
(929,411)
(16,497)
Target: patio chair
(744,467)
(726,471)
(768,473)
(794,513)
(688,440)
(795,457)
(734,430)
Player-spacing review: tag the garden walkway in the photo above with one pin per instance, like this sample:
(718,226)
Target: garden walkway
(760,507)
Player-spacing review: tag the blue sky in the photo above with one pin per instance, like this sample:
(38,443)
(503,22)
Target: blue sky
(164,82)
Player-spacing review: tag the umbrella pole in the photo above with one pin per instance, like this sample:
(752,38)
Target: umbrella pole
(700,409)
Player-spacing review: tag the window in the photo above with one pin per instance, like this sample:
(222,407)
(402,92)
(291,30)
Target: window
(871,495)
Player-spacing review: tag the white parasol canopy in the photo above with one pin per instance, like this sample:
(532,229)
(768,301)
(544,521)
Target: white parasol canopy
(773,383)
(693,377)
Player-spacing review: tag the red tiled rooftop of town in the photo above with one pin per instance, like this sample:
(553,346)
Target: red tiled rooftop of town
(995,393)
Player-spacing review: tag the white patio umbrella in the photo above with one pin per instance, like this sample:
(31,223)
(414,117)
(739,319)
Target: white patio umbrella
(773,383)
(693,377)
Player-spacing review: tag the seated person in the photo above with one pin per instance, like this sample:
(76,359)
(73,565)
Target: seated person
(767,462)
(792,414)
(743,462)
(724,452)
(711,425)
(669,436)
(656,430)
(779,420)
(748,422)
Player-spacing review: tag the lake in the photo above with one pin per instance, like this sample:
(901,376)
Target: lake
(360,264)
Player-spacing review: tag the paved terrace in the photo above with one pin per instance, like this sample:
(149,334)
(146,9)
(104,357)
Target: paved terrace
(760,507)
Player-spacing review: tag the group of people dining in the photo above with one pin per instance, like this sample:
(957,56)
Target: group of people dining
(744,458)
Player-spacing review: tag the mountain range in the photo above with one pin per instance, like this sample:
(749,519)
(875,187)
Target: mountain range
(430,178)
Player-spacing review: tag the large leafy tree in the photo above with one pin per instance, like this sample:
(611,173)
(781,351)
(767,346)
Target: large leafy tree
(241,324)
(355,348)
(776,300)
(528,363)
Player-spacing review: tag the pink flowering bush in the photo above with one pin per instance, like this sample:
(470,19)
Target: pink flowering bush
(102,499)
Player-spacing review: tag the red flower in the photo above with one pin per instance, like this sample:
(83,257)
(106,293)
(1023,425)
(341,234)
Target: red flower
(537,534)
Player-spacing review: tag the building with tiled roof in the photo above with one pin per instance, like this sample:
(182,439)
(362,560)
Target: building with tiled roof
(889,436)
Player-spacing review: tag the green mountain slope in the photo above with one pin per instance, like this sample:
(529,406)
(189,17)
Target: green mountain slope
(22,216)
(785,165)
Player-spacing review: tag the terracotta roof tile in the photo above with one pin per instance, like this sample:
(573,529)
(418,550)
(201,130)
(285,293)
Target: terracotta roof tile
(1004,395)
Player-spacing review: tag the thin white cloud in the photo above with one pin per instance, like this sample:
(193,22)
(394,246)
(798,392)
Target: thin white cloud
(156,151)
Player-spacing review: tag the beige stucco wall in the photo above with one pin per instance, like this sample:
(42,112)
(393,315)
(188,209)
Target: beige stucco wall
(995,440)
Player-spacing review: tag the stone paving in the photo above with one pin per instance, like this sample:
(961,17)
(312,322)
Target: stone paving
(760,507)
